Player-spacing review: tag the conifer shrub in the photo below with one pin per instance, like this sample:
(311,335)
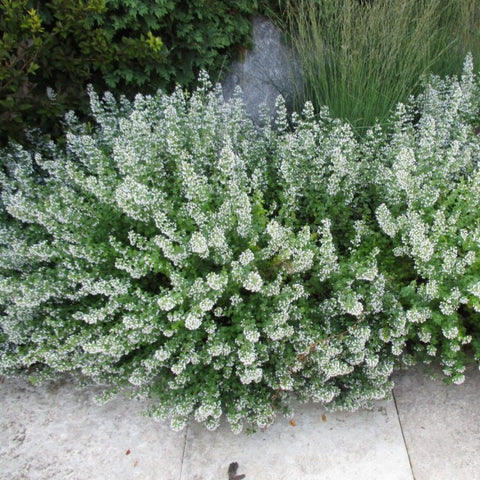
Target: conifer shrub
(179,252)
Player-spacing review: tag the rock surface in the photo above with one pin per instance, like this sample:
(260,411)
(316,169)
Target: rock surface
(267,71)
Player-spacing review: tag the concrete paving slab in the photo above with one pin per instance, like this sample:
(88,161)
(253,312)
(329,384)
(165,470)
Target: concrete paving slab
(364,445)
(441,424)
(57,432)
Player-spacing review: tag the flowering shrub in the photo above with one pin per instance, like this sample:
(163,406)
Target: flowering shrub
(180,252)
(428,186)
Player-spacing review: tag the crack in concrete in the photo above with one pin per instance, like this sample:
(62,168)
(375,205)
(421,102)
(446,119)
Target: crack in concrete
(183,453)
(403,434)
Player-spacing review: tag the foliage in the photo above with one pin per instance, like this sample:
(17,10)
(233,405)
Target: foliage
(20,45)
(428,191)
(363,57)
(180,252)
(50,50)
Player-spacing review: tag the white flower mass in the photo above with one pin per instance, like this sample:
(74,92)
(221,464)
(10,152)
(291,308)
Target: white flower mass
(178,250)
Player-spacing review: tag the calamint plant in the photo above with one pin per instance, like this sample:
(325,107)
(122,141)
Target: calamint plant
(428,184)
(177,251)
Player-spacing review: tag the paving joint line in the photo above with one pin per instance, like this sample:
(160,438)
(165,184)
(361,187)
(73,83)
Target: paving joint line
(403,434)
(183,453)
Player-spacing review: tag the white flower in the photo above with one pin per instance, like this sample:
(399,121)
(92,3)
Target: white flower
(418,315)
(326,260)
(251,334)
(250,374)
(247,354)
(198,244)
(193,321)
(253,282)
(161,354)
(422,247)
(449,260)
(351,304)
(369,274)
(475,290)
(450,332)
(206,304)
(166,303)
(431,289)
(216,281)
(424,335)
(246,257)
(235,300)
(51,94)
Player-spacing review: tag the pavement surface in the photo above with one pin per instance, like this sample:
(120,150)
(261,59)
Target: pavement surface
(427,431)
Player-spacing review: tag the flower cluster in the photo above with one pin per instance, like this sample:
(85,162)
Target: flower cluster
(180,251)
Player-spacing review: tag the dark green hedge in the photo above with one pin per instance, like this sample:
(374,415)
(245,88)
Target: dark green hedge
(122,45)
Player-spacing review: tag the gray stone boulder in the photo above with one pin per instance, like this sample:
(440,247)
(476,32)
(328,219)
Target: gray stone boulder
(267,71)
